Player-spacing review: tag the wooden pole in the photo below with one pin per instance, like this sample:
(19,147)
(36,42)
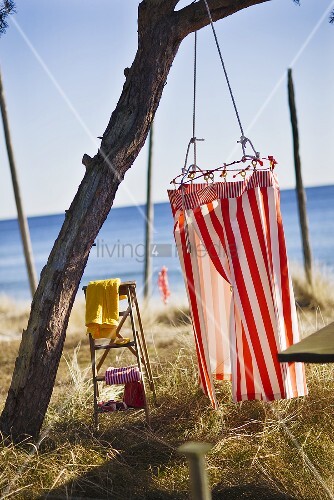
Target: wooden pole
(149,222)
(299,183)
(24,228)
(199,483)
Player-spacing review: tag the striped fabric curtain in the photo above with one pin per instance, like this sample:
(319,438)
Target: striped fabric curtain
(238,284)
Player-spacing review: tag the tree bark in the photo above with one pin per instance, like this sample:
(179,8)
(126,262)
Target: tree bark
(160,32)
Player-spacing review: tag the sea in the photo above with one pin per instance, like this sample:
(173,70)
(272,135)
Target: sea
(119,247)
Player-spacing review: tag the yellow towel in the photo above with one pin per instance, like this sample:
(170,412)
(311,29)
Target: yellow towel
(102,308)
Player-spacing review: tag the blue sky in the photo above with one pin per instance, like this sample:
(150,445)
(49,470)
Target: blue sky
(62,65)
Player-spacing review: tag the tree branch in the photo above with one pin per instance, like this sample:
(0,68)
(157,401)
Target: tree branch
(195,16)
(159,2)
(7,7)
(164,6)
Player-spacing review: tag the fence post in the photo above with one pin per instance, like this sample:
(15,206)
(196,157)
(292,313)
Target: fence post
(149,222)
(24,228)
(199,484)
(299,183)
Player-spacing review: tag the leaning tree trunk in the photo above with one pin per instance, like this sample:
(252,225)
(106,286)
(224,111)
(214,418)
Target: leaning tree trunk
(160,32)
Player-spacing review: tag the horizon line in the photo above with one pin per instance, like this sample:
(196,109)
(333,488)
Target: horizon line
(139,204)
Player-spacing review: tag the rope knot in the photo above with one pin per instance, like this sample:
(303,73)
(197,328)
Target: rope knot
(243,141)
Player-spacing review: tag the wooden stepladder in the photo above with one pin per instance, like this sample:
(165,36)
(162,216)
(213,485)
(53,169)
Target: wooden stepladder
(137,346)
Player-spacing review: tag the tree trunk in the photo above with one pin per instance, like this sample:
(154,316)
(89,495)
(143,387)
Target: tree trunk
(160,32)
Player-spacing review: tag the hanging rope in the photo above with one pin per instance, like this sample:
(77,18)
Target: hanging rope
(243,139)
(194,99)
(193,139)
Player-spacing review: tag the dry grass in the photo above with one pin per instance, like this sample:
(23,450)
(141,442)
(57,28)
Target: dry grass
(320,294)
(315,305)
(260,450)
